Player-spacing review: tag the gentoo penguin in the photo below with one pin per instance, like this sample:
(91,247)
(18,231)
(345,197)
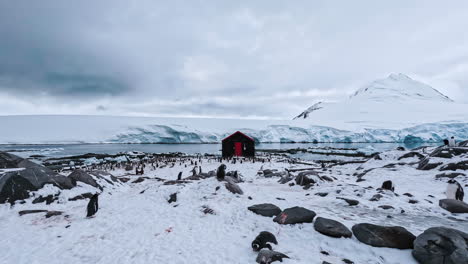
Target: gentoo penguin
(262,241)
(179,177)
(221,173)
(93,206)
(388,185)
(266,256)
(454,190)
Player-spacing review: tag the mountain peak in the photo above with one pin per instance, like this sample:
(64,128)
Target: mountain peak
(399,87)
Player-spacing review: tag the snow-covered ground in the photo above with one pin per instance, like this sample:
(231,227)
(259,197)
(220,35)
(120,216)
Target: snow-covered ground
(136,224)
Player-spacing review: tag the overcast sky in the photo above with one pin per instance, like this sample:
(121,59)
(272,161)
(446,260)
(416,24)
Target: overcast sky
(250,59)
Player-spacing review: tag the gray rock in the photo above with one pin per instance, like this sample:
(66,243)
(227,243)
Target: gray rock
(82,176)
(16,185)
(425,164)
(462,165)
(449,175)
(350,202)
(295,215)
(454,206)
(266,209)
(331,228)
(233,187)
(411,155)
(441,245)
(384,236)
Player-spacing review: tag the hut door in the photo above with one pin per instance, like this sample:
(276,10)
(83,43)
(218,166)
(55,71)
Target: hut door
(238,148)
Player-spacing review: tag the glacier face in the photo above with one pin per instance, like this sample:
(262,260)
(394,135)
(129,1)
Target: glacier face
(430,133)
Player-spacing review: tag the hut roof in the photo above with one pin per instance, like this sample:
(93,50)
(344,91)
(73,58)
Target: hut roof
(238,133)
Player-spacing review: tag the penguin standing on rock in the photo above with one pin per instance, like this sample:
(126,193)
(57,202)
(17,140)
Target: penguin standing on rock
(262,241)
(454,190)
(93,206)
(221,173)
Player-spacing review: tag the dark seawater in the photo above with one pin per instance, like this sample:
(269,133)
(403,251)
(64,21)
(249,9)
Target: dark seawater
(78,149)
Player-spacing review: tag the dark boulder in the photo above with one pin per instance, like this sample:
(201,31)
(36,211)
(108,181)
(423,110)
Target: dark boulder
(384,236)
(411,155)
(449,175)
(266,209)
(454,206)
(441,245)
(82,176)
(295,215)
(16,185)
(425,164)
(448,153)
(462,165)
(331,228)
(350,202)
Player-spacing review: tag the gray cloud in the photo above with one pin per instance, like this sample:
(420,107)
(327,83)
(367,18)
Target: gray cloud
(117,57)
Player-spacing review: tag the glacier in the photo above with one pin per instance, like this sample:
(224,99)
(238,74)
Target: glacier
(112,129)
(425,133)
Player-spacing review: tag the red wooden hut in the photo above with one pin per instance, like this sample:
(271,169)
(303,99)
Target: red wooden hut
(238,144)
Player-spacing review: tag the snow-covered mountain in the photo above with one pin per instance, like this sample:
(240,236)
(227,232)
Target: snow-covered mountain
(394,102)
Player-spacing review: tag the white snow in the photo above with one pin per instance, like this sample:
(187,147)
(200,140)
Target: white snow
(135,227)
(393,102)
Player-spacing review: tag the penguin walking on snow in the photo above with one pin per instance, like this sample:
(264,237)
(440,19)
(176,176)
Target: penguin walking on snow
(179,177)
(454,190)
(262,241)
(93,206)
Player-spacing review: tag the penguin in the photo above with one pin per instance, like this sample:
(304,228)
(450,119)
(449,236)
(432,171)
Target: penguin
(388,185)
(179,177)
(454,190)
(221,173)
(266,256)
(262,241)
(93,205)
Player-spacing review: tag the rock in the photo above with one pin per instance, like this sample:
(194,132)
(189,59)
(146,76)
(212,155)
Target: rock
(411,155)
(233,187)
(331,228)
(411,201)
(462,165)
(48,199)
(376,197)
(81,197)
(454,206)
(52,213)
(386,207)
(321,194)
(266,209)
(449,175)
(295,215)
(441,245)
(303,178)
(350,202)
(384,236)
(139,179)
(16,185)
(448,153)
(326,178)
(25,212)
(425,164)
(408,194)
(82,176)
(172,198)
